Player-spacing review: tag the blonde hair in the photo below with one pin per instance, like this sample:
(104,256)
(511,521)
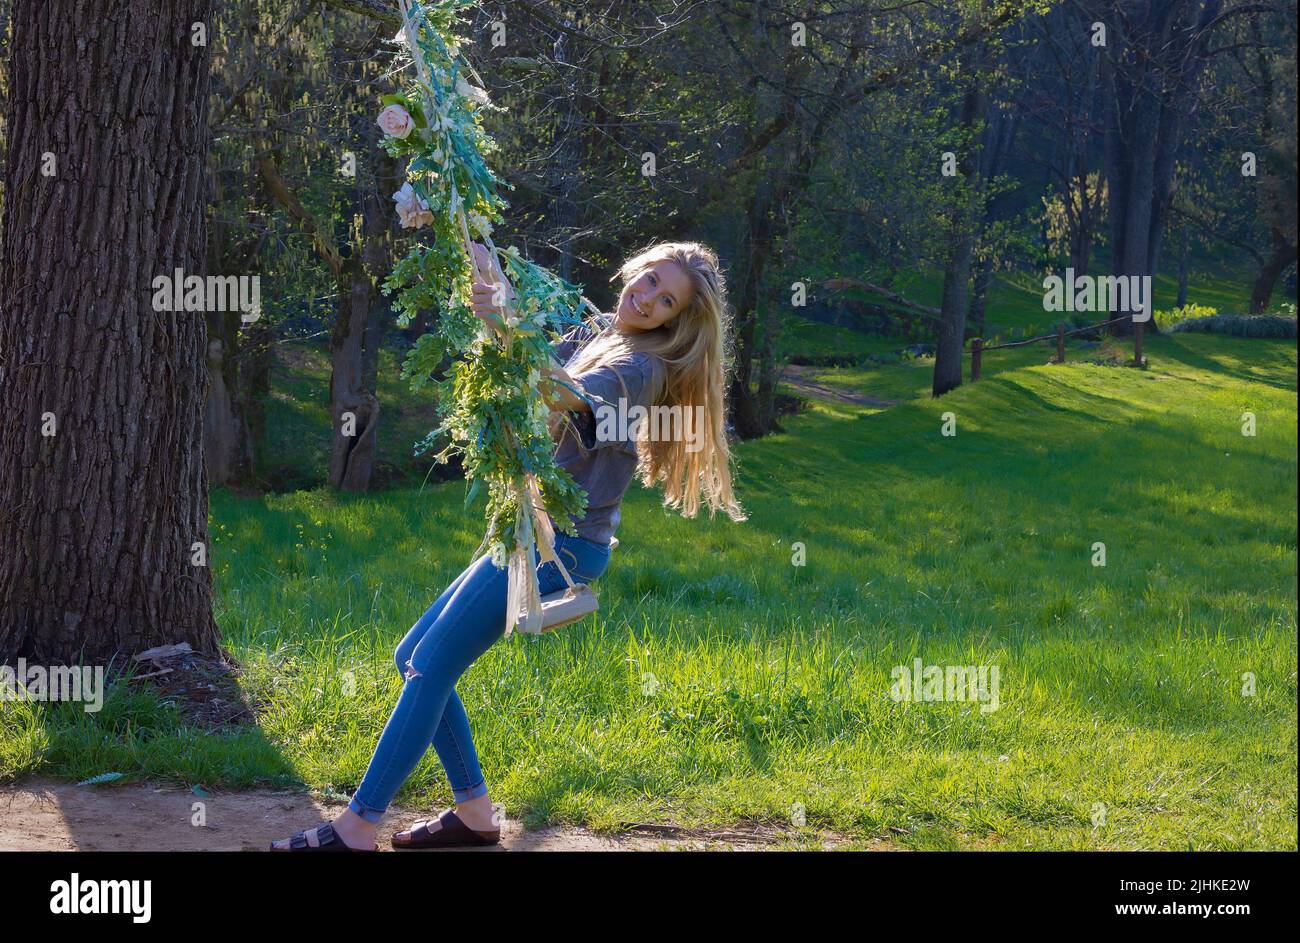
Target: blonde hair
(696,359)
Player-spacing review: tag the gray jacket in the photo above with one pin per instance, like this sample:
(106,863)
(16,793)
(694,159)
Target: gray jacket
(605,464)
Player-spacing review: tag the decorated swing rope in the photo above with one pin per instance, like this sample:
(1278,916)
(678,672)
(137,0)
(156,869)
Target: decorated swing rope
(491,408)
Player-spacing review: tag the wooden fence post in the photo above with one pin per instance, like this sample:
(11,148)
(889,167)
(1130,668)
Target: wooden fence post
(1137,344)
(976,347)
(1060,342)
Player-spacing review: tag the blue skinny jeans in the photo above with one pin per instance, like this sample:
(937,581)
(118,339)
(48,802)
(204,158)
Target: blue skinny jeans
(459,627)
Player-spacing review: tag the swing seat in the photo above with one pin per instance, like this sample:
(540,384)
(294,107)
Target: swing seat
(567,606)
(561,608)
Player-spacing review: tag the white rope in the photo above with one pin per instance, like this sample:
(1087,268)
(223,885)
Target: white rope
(533,528)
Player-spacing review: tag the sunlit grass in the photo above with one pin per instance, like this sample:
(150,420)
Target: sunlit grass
(1015,300)
(720,682)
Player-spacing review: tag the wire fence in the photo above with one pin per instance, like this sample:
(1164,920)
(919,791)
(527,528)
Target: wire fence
(977,345)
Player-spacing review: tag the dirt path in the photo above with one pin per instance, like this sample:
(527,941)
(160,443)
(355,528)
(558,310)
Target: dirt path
(46,815)
(800,379)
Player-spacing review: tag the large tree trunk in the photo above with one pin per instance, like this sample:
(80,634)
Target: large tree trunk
(354,408)
(98,520)
(961,236)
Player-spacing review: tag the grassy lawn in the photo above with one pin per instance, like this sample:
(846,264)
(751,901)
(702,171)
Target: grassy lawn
(720,682)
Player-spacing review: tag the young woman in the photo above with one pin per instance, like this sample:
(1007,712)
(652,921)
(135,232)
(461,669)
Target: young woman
(665,345)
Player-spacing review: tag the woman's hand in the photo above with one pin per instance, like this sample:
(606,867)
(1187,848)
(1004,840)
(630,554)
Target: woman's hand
(556,396)
(490,293)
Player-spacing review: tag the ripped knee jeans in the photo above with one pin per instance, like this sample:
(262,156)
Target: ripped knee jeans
(459,627)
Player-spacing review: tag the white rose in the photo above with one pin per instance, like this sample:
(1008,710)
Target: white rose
(412,211)
(396,121)
(472,92)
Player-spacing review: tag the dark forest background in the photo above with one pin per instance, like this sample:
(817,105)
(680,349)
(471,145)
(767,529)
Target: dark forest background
(803,140)
(879,179)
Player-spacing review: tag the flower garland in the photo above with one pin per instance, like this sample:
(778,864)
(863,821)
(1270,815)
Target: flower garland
(489,405)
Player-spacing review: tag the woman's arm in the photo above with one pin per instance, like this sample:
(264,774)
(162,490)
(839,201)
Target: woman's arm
(558,397)
(620,386)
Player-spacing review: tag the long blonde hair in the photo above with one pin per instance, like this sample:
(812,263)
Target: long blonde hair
(696,359)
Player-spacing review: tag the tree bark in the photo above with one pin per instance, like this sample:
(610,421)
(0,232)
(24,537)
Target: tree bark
(1282,258)
(1149,84)
(1277,185)
(961,238)
(770,217)
(758,228)
(354,344)
(1000,134)
(1183,267)
(227,442)
(980,285)
(98,520)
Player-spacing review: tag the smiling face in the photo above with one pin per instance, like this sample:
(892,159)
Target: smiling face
(654,298)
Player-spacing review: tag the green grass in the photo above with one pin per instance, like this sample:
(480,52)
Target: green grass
(1014,303)
(721,683)
(814,339)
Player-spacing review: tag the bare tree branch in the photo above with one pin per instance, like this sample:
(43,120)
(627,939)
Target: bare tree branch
(276,186)
(386,13)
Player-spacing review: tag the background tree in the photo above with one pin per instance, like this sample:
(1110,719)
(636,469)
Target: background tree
(1153,56)
(1059,94)
(966,209)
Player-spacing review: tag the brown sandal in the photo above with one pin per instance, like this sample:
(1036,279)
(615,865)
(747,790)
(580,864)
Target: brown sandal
(451,833)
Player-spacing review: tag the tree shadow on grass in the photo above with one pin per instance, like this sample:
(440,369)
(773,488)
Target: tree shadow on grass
(1185,354)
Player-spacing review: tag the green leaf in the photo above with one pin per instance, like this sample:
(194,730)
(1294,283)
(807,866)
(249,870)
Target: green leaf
(101,778)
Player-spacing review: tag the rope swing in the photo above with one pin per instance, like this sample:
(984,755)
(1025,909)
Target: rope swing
(490,406)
